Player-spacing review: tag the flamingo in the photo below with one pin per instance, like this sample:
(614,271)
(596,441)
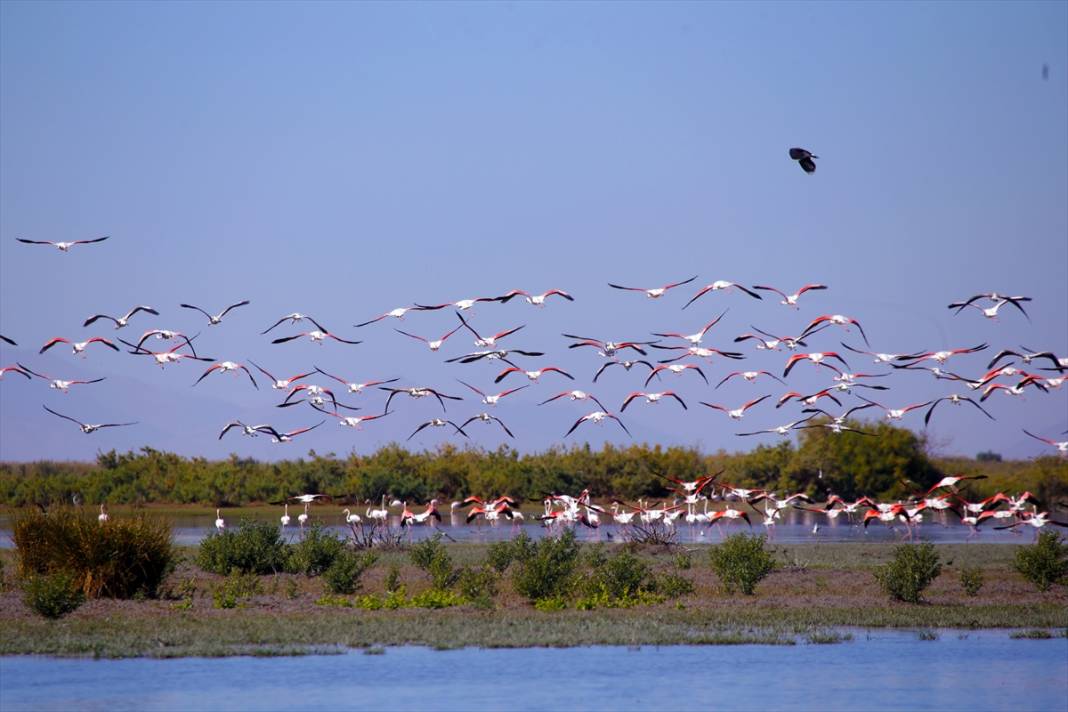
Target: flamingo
(839,419)
(103,516)
(656,292)
(696,337)
(316,336)
(1061,446)
(354,422)
(163,335)
(942,356)
(955,399)
(736,413)
(225,366)
(250,431)
(78,347)
(770,342)
(621,518)
(627,365)
(818,358)
(355,387)
(285,516)
(992,312)
(790,300)
(720,285)
(63,246)
(433,345)
(1017,390)
(462,305)
(652,398)
(350,518)
(749,376)
(492,355)
(596,417)
(806,400)
(698,352)
(532,375)
(804,159)
(280,384)
(897,413)
(880,357)
(487,341)
(302,518)
(1028,356)
(430,514)
(487,418)
(121,321)
(87,428)
(537,300)
(216,319)
(782,430)
(835,320)
(56,383)
(397,313)
(491,400)
(278,438)
(162,358)
(730,514)
(677,369)
(417,392)
(292,319)
(13,369)
(378,515)
(1036,520)
(952,480)
(315,394)
(220,523)
(607,349)
(438,423)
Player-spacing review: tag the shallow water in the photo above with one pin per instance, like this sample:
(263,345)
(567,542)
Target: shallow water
(796,527)
(877,670)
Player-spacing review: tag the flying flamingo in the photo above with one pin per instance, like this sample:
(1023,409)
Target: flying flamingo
(952,480)
(607,348)
(575,396)
(216,319)
(435,344)
(806,400)
(992,312)
(78,347)
(223,367)
(817,358)
(656,292)
(897,413)
(1017,390)
(737,413)
(57,383)
(720,285)
(62,246)
(487,341)
(162,358)
(1062,446)
(536,300)
(790,300)
(354,422)
(417,392)
(696,337)
(250,431)
(487,418)
(835,320)
(280,384)
(749,376)
(677,369)
(462,305)
(532,375)
(1027,356)
(941,356)
(698,352)
(121,321)
(491,400)
(317,336)
(315,395)
(770,342)
(87,427)
(438,423)
(292,319)
(782,430)
(13,369)
(397,313)
(278,437)
(355,387)
(165,335)
(652,398)
(627,365)
(955,400)
(596,417)
(492,355)
(879,357)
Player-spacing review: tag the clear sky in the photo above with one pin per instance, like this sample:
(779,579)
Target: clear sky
(345,159)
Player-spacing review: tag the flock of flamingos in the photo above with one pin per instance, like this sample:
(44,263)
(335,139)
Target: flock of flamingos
(1011,372)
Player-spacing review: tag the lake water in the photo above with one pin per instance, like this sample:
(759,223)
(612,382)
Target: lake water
(795,527)
(880,670)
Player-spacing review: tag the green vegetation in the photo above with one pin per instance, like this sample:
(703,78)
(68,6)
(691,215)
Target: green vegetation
(431,556)
(1031,635)
(52,595)
(741,562)
(850,466)
(343,575)
(235,589)
(912,570)
(971,580)
(314,553)
(253,547)
(1045,562)
(116,559)
(546,569)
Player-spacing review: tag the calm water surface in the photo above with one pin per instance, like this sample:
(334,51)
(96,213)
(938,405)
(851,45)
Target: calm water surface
(882,670)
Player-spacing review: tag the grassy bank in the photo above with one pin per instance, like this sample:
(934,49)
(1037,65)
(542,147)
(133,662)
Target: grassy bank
(816,588)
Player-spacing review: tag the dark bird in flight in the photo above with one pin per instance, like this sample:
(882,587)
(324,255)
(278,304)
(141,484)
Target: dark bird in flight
(804,157)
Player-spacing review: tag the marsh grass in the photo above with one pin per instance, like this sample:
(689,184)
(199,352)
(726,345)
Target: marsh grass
(121,558)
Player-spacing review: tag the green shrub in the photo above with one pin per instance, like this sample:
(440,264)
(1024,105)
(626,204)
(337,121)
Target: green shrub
(315,552)
(252,547)
(478,585)
(501,554)
(618,577)
(683,561)
(53,595)
(344,574)
(435,598)
(393,579)
(123,558)
(673,585)
(741,562)
(1045,562)
(971,580)
(431,556)
(548,571)
(335,601)
(912,570)
(236,588)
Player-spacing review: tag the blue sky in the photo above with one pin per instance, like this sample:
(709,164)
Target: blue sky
(345,159)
